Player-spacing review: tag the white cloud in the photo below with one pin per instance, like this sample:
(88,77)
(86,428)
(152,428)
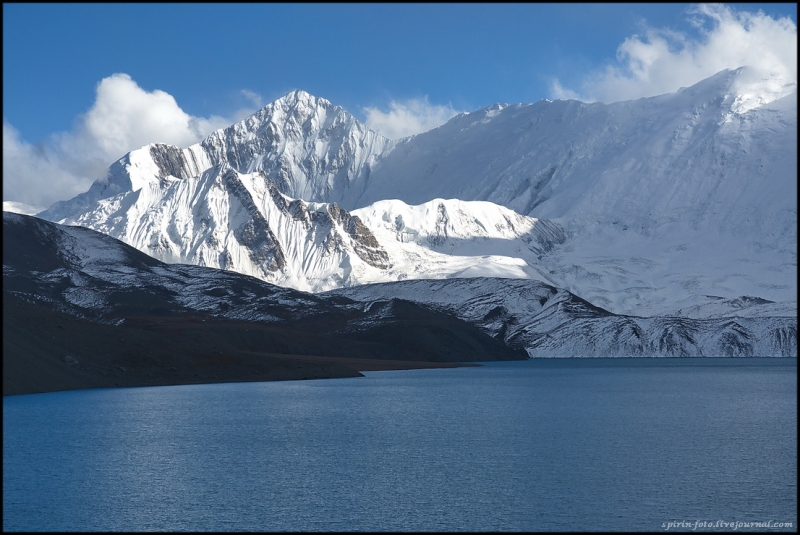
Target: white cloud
(662,61)
(407,118)
(559,92)
(253,97)
(30,177)
(255,103)
(123,117)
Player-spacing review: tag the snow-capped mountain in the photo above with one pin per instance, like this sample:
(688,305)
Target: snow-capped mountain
(661,198)
(238,222)
(643,163)
(643,207)
(243,223)
(307,147)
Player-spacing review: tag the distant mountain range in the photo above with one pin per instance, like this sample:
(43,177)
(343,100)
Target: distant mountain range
(665,226)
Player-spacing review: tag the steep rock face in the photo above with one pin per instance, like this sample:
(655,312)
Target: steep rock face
(240,222)
(255,234)
(364,243)
(172,161)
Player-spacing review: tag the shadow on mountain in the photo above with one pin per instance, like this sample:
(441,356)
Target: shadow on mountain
(72,323)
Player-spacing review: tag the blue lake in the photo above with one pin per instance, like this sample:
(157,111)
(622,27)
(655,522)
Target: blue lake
(546,445)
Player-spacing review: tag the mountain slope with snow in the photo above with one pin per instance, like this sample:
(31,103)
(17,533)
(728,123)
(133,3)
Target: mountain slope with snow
(549,322)
(243,223)
(638,207)
(660,198)
(645,162)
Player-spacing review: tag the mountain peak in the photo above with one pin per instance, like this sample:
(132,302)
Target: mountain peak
(745,88)
(298,96)
(754,88)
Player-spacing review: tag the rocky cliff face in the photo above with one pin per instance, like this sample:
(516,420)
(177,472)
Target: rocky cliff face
(240,222)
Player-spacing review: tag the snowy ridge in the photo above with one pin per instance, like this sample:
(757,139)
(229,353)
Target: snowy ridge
(751,91)
(452,238)
(548,322)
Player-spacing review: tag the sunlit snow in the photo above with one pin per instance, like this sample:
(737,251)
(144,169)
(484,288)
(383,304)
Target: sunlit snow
(646,207)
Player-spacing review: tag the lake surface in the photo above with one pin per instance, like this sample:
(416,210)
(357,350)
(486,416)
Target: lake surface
(557,444)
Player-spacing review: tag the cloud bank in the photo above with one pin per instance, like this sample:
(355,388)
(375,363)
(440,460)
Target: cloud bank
(123,117)
(29,175)
(662,61)
(407,118)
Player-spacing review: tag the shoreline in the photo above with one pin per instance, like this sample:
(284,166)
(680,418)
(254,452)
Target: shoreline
(279,368)
(47,351)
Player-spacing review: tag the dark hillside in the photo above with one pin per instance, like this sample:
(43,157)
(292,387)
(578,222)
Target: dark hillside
(70,322)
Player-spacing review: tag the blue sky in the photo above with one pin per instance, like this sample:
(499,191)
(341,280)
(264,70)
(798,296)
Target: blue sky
(76,77)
